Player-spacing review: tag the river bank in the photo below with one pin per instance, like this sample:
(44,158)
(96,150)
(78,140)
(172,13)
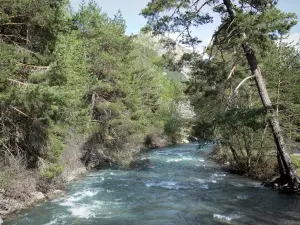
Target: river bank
(79,160)
(10,207)
(265,171)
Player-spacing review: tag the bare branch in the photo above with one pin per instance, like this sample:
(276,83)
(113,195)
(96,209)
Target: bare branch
(10,35)
(7,24)
(231,72)
(35,67)
(18,82)
(19,111)
(243,81)
(234,93)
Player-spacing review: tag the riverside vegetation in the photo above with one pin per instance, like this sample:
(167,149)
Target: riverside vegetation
(245,90)
(77,92)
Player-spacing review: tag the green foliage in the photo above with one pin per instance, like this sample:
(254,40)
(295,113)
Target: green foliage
(227,108)
(52,170)
(79,73)
(173,124)
(296,161)
(44,80)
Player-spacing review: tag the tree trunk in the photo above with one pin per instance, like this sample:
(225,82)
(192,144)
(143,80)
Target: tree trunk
(290,173)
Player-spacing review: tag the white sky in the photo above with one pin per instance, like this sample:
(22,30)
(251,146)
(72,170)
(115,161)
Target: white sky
(131,9)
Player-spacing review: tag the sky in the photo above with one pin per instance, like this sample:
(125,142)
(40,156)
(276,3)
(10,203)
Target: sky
(131,8)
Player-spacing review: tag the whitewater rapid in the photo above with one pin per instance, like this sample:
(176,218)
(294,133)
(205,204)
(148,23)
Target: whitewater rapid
(180,187)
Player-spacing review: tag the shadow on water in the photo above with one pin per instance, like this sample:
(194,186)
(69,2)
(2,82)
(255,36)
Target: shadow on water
(181,187)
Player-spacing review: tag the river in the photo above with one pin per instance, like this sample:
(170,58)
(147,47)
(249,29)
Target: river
(182,188)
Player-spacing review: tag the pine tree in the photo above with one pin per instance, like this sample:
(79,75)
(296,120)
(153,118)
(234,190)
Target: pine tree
(251,26)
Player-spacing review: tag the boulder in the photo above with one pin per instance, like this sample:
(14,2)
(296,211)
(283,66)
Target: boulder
(153,141)
(36,197)
(95,159)
(185,141)
(55,194)
(75,174)
(192,139)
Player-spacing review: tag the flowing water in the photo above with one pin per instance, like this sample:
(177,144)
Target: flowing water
(180,188)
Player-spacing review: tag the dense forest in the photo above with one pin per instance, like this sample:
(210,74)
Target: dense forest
(245,86)
(76,90)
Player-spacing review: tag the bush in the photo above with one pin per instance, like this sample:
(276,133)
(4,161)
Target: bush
(17,182)
(296,161)
(52,170)
(261,167)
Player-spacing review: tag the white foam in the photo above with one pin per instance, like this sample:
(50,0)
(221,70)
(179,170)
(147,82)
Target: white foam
(160,153)
(219,175)
(86,193)
(237,184)
(242,197)
(174,160)
(70,201)
(166,184)
(182,159)
(82,212)
(204,186)
(188,158)
(227,218)
(52,222)
(200,180)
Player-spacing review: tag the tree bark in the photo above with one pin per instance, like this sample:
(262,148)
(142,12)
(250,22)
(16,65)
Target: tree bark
(289,173)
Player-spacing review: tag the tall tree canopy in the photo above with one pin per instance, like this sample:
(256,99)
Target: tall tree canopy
(64,74)
(249,28)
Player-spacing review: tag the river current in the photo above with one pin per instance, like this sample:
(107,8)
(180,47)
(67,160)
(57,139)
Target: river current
(181,188)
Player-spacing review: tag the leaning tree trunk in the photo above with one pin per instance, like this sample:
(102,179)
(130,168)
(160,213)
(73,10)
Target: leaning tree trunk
(289,173)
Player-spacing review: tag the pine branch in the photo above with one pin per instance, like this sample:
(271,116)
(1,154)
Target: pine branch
(18,82)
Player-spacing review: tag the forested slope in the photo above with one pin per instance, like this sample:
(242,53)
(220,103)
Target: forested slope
(245,90)
(75,90)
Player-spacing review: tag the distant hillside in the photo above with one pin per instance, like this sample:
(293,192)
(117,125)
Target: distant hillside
(156,42)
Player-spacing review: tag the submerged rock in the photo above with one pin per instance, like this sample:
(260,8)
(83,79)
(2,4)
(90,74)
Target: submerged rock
(141,163)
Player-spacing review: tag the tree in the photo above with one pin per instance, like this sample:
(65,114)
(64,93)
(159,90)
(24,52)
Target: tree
(247,24)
